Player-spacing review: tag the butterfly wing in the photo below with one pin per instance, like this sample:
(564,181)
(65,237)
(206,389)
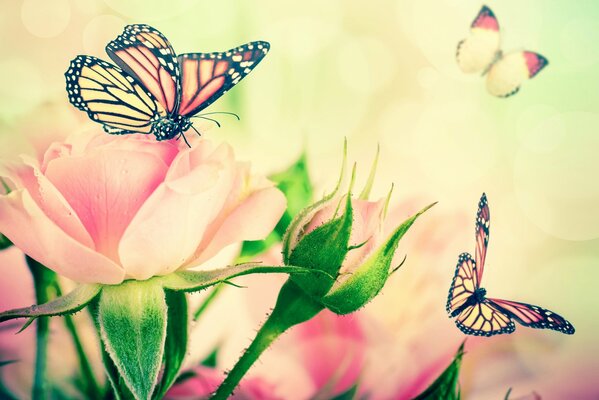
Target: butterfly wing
(484,319)
(507,75)
(534,316)
(207,76)
(110,97)
(479,50)
(464,283)
(145,54)
(483,219)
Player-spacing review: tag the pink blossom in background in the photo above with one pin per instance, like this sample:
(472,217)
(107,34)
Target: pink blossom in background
(101,208)
(16,290)
(206,380)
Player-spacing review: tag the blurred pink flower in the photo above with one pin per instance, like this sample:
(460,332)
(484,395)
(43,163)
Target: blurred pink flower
(101,208)
(205,381)
(16,290)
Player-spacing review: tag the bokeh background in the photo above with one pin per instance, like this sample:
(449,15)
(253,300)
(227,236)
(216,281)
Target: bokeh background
(383,73)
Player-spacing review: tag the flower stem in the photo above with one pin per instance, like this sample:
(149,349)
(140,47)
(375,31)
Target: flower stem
(293,307)
(92,389)
(43,281)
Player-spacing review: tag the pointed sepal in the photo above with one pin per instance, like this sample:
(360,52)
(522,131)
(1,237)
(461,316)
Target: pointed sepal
(364,283)
(132,318)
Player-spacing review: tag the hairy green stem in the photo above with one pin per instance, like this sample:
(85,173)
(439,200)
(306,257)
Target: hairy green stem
(293,307)
(43,281)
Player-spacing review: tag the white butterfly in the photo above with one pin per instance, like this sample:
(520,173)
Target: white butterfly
(480,52)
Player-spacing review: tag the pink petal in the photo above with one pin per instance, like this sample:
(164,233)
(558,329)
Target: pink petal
(168,228)
(253,219)
(26,225)
(106,188)
(49,199)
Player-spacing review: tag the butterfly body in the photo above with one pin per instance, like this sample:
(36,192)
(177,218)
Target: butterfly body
(151,90)
(165,128)
(479,315)
(481,52)
(477,297)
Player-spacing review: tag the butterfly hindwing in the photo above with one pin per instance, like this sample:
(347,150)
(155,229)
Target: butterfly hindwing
(507,75)
(534,316)
(110,97)
(207,76)
(484,319)
(145,54)
(478,51)
(464,283)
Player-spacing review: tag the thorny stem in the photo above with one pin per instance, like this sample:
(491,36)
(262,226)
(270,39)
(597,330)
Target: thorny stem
(293,307)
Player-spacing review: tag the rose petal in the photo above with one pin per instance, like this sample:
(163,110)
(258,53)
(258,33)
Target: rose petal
(169,226)
(49,199)
(253,219)
(26,225)
(106,189)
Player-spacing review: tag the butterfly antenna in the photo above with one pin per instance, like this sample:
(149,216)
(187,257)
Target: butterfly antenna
(198,132)
(185,139)
(223,112)
(209,119)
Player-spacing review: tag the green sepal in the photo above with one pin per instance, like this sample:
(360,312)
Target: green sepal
(193,281)
(67,304)
(369,278)
(446,386)
(323,249)
(132,318)
(303,217)
(176,340)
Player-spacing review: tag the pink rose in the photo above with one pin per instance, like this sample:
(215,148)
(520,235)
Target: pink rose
(100,209)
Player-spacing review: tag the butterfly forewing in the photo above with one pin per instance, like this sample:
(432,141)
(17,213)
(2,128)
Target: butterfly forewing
(110,97)
(207,76)
(477,52)
(534,316)
(464,283)
(145,54)
(483,220)
(484,319)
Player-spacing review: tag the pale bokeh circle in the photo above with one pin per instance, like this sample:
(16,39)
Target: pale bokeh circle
(455,142)
(150,10)
(21,86)
(365,64)
(557,185)
(578,42)
(45,19)
(537,128)
(99,31)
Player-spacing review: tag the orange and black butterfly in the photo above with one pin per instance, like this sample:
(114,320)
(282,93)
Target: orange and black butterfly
(474,313)
(152,90)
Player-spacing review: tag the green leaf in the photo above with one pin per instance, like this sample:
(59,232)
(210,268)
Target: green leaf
(4,242)
(368,279)
(296,185)
(211,360)
(132,318)
(350,394)
(323,249)
(67,304)
(446,386)
(193,281)
(304,216)
(176,340)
